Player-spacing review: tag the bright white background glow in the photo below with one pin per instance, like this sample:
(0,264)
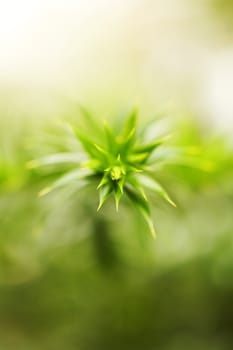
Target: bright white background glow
(55,40)
(136,48)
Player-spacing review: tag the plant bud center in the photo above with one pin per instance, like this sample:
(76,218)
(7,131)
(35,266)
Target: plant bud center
(116,173)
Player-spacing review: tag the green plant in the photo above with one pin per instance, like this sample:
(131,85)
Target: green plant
(120,160)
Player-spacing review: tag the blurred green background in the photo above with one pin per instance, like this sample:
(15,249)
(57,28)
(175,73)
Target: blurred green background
(72,279)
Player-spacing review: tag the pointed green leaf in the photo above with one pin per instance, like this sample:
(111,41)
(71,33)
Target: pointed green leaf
(155,186)
(95,165)
(126,139)
(105,154)
(87,144)
(130,124)
(137,186)
(120,184)
(111,139)
(138,157)
(104,193)
(57,158)
(104,181)
(150,147)
(143,207)
(117,194)
(78,174)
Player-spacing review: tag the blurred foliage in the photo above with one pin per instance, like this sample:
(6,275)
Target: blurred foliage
(223,12)
(74,279)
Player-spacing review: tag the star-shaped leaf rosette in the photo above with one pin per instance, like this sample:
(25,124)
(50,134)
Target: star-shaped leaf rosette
(119,160)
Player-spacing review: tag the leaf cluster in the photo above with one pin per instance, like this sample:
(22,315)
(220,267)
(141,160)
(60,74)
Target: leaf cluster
(120,161)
